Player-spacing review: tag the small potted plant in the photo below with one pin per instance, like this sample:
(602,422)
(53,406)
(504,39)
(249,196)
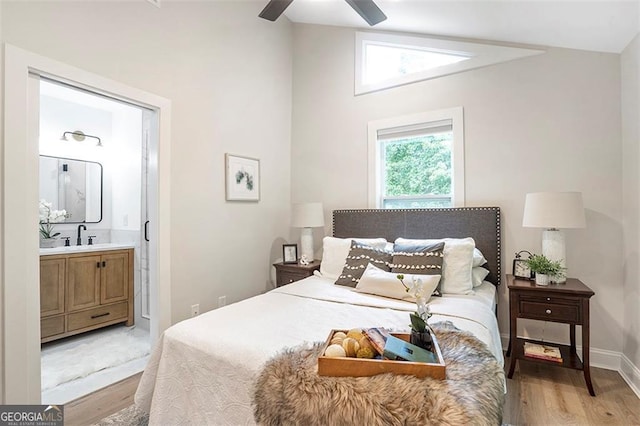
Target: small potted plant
(545,269)
(420,330)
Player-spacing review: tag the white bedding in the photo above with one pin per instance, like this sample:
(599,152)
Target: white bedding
(202,369)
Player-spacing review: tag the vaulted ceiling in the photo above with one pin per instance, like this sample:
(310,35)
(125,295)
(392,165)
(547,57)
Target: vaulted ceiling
(605,26)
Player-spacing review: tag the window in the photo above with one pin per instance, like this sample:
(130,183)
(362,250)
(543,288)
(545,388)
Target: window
(386,60)
(417,161)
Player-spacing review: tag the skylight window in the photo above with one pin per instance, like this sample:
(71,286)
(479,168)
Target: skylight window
(388,60)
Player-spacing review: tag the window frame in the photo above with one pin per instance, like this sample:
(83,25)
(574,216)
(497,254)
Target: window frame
(375,171)
(479,55)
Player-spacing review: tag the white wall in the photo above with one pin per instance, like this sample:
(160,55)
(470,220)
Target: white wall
(228,75)
(630,68)
(2,336)
(549,122)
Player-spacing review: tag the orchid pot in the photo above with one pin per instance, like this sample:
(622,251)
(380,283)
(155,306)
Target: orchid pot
(48,242)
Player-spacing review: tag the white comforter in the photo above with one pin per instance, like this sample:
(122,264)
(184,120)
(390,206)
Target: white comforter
(202,369)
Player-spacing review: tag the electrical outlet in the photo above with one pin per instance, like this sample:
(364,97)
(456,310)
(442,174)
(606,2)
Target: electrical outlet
(222,300)
(195,310)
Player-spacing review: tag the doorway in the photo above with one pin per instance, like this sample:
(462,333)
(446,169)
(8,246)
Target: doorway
(94,151)
(20,251)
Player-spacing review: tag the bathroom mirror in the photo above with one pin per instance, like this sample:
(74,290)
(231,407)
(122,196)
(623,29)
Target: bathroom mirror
(72,185)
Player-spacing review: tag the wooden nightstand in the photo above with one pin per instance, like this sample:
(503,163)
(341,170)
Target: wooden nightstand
(566,303)
(286,273)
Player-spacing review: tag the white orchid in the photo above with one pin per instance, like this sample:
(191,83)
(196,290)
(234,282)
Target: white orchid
(48,217)
(419,292)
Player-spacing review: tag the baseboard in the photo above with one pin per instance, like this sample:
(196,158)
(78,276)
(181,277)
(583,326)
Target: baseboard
(631,374)
(609,360)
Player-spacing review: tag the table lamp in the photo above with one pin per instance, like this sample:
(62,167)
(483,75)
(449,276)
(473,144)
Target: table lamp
(553,211)
(307,216)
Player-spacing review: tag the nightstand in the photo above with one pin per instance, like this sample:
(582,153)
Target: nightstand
(566,303)
(286,273)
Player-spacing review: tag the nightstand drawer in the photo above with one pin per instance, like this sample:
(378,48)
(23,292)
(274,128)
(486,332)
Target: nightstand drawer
(286,273)
(287,277)
(548,309)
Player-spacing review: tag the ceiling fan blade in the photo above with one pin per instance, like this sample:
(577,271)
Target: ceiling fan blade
(368,10)
(274,9)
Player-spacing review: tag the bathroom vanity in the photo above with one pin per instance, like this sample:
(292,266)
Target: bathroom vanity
(83,288)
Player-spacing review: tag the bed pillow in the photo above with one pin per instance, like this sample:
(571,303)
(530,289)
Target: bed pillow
(359,257)
(478,274)
(478,258)
(382,283)
(423,259)
(335,251)
(456,265)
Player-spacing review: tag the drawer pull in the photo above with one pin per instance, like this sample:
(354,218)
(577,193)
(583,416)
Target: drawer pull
(99,315)
(290,280)
(548,299)
(548,311)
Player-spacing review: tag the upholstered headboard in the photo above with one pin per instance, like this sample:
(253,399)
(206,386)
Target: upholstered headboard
(480,223)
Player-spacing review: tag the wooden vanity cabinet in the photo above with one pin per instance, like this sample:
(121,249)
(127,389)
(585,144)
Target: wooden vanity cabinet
(84,291)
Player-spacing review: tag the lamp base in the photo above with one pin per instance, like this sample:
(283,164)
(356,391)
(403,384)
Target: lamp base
(306,243)
(553,248)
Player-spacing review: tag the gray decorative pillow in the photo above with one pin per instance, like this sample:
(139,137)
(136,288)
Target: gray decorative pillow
(418,259)
(359,257)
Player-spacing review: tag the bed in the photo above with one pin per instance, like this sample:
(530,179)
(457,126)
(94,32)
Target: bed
(202,370)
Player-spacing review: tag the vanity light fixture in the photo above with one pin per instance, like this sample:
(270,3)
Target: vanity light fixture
(79,136)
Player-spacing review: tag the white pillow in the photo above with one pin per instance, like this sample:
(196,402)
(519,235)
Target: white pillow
(478,258)
(336,250)
(456,264)
(382,283)
(478,274)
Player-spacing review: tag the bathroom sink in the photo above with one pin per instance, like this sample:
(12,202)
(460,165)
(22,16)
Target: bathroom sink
(86,248)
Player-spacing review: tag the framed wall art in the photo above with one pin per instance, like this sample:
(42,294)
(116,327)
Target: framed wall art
(242,178)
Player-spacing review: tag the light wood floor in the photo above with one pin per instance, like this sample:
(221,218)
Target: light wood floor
(97,405)
(537,395)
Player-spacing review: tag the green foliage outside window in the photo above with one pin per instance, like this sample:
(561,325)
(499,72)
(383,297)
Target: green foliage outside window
(418,166)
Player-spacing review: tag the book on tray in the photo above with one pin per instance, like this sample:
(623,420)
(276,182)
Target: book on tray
(399,350)
(396,349)
(549,353)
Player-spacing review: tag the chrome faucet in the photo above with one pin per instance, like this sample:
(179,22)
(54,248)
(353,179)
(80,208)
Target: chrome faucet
(79,240)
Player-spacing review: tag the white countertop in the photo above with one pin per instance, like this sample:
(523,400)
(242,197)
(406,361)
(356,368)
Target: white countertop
(85,248)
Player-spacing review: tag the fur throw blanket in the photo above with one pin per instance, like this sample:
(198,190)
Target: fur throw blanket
(289,391)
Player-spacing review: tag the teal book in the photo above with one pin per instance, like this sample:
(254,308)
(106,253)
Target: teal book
(399,350)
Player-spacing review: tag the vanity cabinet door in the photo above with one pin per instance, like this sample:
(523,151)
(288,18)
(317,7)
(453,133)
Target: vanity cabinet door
(52,274)
(114,277)
(83,282)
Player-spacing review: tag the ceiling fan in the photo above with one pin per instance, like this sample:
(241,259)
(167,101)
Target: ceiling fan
(365,8)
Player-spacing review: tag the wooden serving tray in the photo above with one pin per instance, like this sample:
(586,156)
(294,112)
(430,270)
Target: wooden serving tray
(362,367)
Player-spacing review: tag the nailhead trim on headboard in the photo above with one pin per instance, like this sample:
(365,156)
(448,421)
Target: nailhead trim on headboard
(462,215)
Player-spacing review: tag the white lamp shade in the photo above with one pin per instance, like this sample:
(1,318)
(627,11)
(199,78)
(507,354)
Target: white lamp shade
(307,215)
(554,210)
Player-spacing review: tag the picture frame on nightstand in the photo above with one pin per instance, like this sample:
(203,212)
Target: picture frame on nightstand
(289,253)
